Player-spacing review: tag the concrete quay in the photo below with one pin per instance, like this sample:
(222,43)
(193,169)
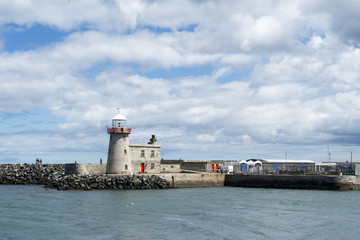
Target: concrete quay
(194,180)
(318,182)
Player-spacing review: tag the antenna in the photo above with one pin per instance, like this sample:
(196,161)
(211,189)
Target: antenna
(119,109)
(329,154)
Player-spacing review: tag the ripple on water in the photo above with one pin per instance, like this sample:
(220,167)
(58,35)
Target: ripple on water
(31,212)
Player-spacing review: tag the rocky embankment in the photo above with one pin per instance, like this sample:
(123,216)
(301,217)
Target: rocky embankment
(30,173)
(53,176)
(100,182)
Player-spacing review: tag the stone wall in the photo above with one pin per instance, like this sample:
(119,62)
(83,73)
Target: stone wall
(188,180)
(85,169)
(170,166)
(200,166)
(349,182)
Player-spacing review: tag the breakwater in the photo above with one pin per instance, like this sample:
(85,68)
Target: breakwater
(32,174)
(53,176)
(320,182)
(108,182)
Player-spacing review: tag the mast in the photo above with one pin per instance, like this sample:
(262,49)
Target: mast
(329,154)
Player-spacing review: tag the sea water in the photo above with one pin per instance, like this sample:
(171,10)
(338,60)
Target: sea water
(32,212)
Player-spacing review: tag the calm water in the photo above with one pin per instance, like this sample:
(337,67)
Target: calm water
(30,212)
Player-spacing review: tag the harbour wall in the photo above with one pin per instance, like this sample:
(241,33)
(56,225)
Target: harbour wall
(191,180)
(319,182)
(85,169)
(54,176)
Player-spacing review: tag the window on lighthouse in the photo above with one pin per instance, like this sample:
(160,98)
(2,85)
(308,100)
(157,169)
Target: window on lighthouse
(118,123)
(142,153)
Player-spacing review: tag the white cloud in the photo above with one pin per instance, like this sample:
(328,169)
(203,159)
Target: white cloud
(279,86)
(339,18)
(63,14)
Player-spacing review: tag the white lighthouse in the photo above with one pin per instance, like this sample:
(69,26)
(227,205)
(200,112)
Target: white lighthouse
(118,155)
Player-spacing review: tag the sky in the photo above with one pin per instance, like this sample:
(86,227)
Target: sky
(225,80)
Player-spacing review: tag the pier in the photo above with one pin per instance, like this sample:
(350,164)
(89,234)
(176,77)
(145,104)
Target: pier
(318,182)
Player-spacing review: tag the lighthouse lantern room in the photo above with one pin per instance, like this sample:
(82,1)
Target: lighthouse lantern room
(119,125)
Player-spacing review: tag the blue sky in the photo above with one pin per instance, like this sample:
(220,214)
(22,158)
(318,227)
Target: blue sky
(24,38)
(212,80)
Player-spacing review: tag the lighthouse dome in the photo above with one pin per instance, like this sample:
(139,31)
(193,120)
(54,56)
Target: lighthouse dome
(119,121)
(119,116)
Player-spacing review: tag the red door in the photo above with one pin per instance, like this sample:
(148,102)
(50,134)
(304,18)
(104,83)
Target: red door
(142,167)
(212,167)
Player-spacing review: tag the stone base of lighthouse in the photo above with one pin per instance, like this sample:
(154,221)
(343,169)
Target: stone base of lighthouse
(118,155)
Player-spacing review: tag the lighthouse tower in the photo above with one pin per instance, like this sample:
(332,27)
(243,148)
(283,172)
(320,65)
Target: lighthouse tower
(118,156)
